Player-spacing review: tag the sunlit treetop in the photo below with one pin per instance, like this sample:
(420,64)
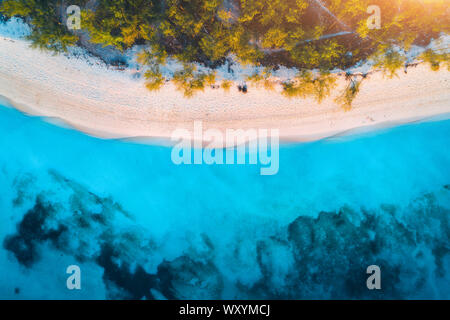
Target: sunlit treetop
(306,34)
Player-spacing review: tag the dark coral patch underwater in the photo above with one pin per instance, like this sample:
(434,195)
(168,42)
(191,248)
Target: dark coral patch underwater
(320,256)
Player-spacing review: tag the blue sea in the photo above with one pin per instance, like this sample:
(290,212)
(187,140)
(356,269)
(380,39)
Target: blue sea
(141,227)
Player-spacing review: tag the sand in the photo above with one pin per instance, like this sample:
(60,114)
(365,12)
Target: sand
(115,104)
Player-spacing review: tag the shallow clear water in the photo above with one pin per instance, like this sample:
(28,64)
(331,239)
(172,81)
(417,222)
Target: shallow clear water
(140,226)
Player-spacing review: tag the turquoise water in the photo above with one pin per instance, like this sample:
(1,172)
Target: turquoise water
(141,227)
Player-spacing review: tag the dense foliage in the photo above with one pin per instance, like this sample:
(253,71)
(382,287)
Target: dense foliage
(267,33)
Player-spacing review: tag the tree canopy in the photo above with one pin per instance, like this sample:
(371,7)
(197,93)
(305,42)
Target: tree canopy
(306,34)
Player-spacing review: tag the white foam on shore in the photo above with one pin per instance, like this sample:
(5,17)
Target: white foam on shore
(14,28)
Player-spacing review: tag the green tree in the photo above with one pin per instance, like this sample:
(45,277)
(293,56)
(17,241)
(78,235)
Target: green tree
(349,94)
(309,85)
(189,80)
(48,30)
(389,59)
(435,59)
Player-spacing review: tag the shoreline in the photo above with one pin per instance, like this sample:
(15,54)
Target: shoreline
(114,104)
(285,140)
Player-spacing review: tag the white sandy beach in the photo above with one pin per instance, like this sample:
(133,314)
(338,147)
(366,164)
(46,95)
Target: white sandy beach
(114,104)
